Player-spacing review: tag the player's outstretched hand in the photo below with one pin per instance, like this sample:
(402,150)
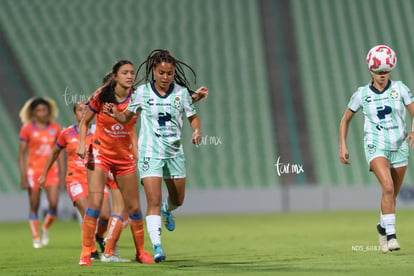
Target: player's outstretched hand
(109,110)
(200,93)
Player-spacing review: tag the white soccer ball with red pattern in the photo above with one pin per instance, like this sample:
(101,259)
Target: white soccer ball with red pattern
(381,58)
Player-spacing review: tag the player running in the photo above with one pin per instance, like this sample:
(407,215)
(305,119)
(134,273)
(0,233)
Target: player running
(162,101)
(111,150)
(384,103)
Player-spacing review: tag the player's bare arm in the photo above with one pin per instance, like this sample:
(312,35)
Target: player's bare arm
(22,161)
(343,131)
(50,160)
(83,131)
(195,125)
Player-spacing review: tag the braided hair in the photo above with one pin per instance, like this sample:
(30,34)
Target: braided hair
(107,94)
(158,56)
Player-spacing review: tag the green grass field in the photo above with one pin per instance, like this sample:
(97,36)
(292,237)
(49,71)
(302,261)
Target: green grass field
(331,243)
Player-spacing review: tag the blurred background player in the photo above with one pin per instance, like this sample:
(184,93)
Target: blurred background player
(76,184)
(111,150)
(383,102)
(162,101)
(37,137)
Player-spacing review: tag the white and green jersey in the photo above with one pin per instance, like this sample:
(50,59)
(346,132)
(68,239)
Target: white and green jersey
(384,123)
(161,119)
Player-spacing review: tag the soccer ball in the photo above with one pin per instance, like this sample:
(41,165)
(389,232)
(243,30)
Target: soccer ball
(381,58)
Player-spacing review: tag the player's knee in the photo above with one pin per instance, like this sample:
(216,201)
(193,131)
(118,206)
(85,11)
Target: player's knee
(154,202)
(134,210)
(388,189)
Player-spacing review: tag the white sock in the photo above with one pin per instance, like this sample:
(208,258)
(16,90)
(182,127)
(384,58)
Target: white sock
(382,221)
(389,223)
(154,228)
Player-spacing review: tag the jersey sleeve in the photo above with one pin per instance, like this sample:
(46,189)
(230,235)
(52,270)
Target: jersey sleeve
(24,133)
(61,140)
(355,101)
(189,108)
(406,94)
(135,104)
(94,103)
(58,130)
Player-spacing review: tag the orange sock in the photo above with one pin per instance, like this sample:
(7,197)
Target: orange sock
(88,230)
(34,226)
(49,219)
(137,229)
(102,227)
(114,232)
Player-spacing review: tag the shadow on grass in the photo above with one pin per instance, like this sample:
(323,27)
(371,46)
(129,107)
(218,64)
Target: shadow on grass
(251,266)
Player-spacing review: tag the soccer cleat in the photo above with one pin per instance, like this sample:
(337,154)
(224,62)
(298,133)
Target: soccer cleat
(169,221)
(116,250)
(393,245)
(101,242)
(37,243)
(382,239)
(113,259)
(159,254)
(45,236)
(85,260)
(95,255)
(144,258)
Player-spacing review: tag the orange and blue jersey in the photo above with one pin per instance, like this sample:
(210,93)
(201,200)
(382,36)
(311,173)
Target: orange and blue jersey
(112,138)
(69,139)
(76,179)
(40,142)
(112,147)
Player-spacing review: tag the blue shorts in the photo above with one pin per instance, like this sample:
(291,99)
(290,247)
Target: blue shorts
(169,168)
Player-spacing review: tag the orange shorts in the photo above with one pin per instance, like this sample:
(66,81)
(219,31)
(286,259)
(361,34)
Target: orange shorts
(119,166)
(52,178)
(77,187)
(110,182)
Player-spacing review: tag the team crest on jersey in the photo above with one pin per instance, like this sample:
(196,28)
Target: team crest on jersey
(394,94)
(372,149)
(145,166)
(52,132)
(177,103)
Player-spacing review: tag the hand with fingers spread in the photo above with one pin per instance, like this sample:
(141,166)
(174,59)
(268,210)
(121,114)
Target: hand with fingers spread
(200,93)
